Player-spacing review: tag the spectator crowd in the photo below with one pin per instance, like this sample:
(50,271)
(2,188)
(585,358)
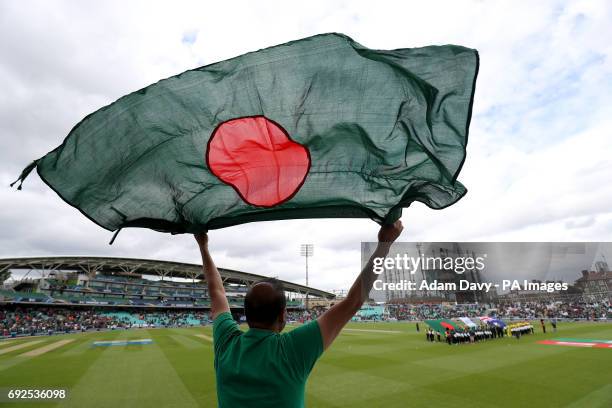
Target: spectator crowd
(513,311)
(50,320)
(22,321)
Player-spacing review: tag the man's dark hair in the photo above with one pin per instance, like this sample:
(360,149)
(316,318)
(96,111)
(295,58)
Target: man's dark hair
(264,302)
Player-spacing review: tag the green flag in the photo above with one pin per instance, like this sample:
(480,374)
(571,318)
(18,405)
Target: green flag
(319,127)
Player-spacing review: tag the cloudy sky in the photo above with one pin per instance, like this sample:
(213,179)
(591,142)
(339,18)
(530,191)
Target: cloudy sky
(539,157)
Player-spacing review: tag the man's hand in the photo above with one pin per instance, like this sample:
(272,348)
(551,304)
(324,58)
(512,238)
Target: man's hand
(202,239)
(389,233)
(332,321)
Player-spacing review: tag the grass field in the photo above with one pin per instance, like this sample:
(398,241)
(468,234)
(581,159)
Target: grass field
(370,365)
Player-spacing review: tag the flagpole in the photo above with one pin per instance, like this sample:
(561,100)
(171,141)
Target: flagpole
(307,250)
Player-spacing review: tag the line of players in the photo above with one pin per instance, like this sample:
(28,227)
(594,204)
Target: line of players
(468,336)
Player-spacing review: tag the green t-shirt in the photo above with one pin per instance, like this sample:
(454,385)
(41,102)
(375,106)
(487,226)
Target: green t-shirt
(261,368)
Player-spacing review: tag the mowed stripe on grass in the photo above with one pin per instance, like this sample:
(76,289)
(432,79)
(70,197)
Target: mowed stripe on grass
(8,342)
(186,342)
(205,337)
(373,331)
(18,340)
(139,376)
(19,346)
(45,349)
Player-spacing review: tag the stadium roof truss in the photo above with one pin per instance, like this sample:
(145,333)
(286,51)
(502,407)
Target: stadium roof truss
(163,269)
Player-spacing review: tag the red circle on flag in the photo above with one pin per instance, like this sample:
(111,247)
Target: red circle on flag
(257,157)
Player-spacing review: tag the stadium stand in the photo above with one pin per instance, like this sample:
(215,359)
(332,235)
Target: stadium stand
(577,308)
(369,312)
(67,294)
(24,320)
(130,283)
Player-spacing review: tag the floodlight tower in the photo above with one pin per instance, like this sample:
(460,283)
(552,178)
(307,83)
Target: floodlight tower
(419,246)
(307,250)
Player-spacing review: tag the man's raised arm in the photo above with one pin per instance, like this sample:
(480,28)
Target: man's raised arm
(332,321)
(216,291)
